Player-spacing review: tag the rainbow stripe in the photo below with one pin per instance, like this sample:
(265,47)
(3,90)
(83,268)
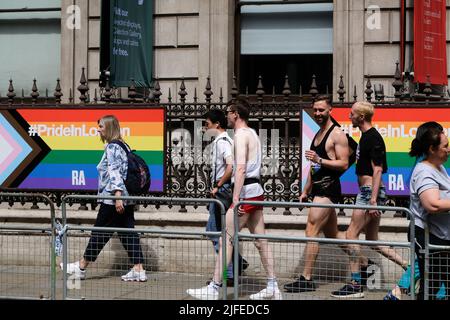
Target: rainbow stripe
(76,148)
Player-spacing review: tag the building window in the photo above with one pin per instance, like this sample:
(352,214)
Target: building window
(285,39)
(30,33)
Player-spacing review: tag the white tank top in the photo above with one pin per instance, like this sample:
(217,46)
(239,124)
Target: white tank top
(253,169)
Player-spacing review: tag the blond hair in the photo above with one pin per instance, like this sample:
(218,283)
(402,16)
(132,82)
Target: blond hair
(112,128)
(365,109)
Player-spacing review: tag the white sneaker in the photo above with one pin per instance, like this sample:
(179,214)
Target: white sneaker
(205,293)
(74,268)
(135,276)
(267,294)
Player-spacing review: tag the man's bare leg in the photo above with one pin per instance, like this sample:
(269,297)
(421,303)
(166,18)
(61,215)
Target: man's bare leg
(357,225)
(318,219)
(372,229)
(255,224)
(354,289)
(229,243)
(211,292)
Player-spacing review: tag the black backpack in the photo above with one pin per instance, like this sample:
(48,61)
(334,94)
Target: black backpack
(138,174)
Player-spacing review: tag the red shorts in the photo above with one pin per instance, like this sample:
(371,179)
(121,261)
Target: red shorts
(250,208)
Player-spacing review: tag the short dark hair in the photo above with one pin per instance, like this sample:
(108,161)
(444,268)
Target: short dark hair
(217,116)
(241,106)
(428,135)
(323,97)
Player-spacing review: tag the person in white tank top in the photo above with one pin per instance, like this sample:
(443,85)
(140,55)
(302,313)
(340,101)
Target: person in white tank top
(253,165)
(246,179)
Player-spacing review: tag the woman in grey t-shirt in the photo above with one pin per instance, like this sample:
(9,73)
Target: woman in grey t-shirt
(430,195)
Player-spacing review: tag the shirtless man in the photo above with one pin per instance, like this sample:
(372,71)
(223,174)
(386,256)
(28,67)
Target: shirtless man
(246,176)
(329,156)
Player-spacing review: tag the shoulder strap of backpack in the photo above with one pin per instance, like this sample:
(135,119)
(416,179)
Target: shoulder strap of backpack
(122,145)
(225,138)
(215,164)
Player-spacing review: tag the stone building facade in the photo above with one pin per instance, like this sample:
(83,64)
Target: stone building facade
(194,39)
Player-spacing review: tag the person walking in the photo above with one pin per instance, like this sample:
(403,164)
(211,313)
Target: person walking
(371,163)
(112,172)
(329,157)
(430,196)
(221,171)
(247,187)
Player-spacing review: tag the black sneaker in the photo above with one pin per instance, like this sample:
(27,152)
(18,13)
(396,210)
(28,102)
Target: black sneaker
(367,272)
(349,291)
(244,264)
(301,285)
(390,296)
(230,282)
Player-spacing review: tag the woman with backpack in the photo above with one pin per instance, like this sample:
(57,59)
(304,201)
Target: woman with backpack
(112,173)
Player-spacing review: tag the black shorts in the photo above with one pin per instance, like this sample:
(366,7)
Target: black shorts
(328,187)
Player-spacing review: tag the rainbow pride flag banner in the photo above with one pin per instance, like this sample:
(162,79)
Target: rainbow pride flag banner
(398,128)
(67,147)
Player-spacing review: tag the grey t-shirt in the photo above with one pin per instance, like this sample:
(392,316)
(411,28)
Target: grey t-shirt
(425,177)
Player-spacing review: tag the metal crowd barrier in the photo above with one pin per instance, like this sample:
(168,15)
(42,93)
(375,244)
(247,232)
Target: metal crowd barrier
(179,235)
(130,290)
(29,275)
(239,235)
(429,265)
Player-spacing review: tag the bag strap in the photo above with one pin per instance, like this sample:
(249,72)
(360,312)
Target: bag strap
(122,145)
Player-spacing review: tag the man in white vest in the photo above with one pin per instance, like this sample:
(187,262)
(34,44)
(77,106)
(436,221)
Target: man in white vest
(247,187)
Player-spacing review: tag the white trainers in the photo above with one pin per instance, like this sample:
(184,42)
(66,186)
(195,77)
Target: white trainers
(133,275)
(205,293)
(267,294)
(74,268)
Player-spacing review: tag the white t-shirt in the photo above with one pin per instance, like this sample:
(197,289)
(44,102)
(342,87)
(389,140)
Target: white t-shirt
(425,177)
(221,149)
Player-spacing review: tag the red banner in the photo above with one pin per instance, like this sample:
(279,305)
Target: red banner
(430,50)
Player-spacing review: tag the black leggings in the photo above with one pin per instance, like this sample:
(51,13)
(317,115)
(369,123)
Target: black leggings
(108,217)
(438,264)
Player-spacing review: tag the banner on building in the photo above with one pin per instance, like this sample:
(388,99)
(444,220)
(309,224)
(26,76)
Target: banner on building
(397,128)
(131,34)
(430,47)
(59,149)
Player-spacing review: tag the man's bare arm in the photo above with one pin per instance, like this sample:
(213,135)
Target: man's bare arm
(307,189)
(241,149)
(341,150)
(376,182)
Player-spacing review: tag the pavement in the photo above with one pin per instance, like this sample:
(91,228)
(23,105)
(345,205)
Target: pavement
(19,282)
(174,263)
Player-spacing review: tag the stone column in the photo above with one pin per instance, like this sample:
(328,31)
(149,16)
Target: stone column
(216,44)
(356,47)
(74,46)
(340,45)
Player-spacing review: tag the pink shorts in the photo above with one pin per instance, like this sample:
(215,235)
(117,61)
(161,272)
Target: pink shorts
(250,208)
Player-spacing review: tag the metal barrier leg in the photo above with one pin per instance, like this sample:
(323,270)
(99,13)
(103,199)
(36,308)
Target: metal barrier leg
(52,268)
(426,276)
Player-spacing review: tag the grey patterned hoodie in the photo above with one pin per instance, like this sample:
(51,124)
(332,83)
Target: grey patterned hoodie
(112,172)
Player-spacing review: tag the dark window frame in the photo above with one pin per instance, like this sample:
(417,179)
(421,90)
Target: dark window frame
(237,40)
